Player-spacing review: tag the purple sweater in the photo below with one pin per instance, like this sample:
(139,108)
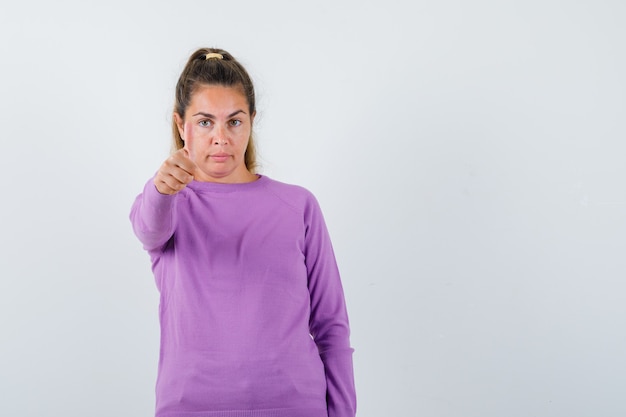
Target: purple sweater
(252,311)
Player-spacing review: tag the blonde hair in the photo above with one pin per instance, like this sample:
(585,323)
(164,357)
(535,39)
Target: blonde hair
(213,70)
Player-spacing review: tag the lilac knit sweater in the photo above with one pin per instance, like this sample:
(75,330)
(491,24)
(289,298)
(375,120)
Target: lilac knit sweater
(252,312)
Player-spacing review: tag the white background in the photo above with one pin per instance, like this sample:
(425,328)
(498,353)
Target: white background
(468,156)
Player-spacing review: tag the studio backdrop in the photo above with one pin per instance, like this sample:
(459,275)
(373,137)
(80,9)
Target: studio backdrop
(468,157)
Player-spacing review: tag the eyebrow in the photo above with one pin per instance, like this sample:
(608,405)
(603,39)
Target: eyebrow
(210,116)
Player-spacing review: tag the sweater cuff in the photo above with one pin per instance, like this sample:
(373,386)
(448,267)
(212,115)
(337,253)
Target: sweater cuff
(341,393)
(334,411)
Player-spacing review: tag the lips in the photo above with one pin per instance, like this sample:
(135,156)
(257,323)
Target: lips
(219,157)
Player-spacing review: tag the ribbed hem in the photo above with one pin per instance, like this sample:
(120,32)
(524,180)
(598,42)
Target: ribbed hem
(280,412)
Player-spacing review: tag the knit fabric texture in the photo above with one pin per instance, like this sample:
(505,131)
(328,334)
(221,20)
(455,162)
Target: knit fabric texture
(252,310)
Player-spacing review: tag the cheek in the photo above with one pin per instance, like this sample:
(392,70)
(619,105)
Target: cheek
(242,142)
(192,130)
(244,136)
(188,130)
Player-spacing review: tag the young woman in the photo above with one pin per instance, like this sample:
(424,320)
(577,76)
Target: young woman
(252,311)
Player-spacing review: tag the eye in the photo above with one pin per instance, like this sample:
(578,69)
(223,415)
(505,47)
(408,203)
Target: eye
(204,123)
(235,122)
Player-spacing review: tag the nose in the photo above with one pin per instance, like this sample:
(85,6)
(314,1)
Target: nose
(219,137)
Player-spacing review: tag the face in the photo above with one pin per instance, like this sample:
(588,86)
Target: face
(216,129)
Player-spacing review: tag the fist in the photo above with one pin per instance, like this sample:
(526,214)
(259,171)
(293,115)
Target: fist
(175,173)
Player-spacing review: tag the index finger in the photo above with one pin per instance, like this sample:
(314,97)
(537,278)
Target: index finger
(185,162)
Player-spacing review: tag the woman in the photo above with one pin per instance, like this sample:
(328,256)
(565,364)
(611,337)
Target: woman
(252,312)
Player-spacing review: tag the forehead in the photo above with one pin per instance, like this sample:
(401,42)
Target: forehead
(219,96)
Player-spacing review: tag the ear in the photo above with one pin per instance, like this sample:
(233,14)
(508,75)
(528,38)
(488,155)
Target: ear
(180,124)
(252,117)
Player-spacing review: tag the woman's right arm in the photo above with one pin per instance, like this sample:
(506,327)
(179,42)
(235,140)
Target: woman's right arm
(152,214)
(152,217)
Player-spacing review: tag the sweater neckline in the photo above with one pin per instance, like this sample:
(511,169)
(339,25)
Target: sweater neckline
(217,187)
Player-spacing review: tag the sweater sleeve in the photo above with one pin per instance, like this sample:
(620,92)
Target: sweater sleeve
(329,319)
(152,217)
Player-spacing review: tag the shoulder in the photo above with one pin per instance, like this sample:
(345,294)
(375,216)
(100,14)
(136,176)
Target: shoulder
(296,196)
